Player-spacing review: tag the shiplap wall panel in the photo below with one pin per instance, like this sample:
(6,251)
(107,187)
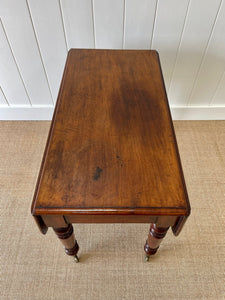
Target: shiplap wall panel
(46,16)
(10,79)
(193,44)
(139,23)
(219,97)
(108,23)
(17,23)
(36,35)
(78,22)
(3,101)
(167,33)
(213,65)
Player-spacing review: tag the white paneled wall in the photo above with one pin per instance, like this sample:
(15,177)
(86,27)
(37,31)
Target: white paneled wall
(138,18)
(218,98)
(108,23)
(168,33)
(24,45)
(3,101)
(78,23)
(194,41)
(10,78)
(48,27)
(35,36)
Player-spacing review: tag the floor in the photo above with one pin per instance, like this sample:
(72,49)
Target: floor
(190,266)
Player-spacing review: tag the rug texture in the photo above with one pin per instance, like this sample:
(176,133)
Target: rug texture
(190,266)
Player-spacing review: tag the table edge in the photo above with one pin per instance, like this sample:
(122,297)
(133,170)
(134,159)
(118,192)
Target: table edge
(175,140)
(153,211)
(41,170)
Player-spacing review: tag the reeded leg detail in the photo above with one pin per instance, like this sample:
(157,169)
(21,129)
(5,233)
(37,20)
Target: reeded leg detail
(66,235)
(155,237)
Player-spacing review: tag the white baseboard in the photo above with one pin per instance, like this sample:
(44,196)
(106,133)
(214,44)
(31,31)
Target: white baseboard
(26,113)
(198,112)
(178,113)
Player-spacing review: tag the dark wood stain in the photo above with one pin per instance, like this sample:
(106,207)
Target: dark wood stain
(97,173)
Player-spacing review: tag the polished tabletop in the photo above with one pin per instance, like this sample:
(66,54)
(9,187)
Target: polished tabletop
(111,146)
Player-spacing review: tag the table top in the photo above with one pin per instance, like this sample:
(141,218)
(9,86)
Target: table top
(111,146)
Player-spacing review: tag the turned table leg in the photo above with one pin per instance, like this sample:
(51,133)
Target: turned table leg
(66,235)
(155,237)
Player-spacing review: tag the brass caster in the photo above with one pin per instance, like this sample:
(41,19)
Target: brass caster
(76,259)
(147,258)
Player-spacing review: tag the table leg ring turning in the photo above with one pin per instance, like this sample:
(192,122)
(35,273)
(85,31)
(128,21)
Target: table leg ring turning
(155,237)
(66,235)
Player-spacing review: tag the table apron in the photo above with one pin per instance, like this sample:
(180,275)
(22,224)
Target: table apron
(62,221)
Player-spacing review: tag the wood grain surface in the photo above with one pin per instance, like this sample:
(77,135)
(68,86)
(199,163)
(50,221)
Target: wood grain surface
(111,147)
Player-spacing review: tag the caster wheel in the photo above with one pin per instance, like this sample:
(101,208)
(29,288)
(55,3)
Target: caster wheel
(146,258)
(76,259)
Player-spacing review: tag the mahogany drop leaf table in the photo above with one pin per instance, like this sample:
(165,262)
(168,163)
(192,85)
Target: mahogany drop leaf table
(111,154)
